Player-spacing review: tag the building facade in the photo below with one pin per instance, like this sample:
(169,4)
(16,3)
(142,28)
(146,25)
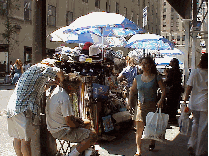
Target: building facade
(62,13)
(171,27)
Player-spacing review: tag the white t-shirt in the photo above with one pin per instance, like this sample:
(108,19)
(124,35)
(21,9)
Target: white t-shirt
(199,97)
(58,107)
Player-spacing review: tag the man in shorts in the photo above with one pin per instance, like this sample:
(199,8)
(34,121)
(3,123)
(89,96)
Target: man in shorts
(61,121)
(23,110)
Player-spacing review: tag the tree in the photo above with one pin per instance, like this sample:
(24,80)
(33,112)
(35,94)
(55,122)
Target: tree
(9,34)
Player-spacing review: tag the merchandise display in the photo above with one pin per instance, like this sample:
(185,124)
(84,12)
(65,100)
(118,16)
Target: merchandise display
(100,98)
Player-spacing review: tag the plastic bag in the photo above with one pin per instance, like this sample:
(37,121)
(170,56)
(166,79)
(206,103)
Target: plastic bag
(156,124)
(184,119)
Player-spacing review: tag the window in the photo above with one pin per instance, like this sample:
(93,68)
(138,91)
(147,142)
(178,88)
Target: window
(178,38)
(171,24)
(172,17)
(3,7)
(132,15)
(164,17)
(183,38)
(117,8)
(164,25)
(143,5)
(27,10)
(108,6)
(164,10)
(69,18)
(137,20)
(51,15)
(97,3)
(172,37)
(177,16)
(167,37)
(172,10)
(86,1)
(138,2)
(125,11)
(177,24)
(164,3)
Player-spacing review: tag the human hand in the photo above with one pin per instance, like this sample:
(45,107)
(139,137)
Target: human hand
(80,121)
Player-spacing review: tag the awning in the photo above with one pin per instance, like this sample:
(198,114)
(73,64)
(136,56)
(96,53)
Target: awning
(180,6)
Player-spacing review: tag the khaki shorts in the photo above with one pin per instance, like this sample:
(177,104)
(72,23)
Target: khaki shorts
(20,127)
(73,135)
(141,111)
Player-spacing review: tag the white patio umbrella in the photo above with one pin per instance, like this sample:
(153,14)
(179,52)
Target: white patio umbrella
(102,24)
(175,51)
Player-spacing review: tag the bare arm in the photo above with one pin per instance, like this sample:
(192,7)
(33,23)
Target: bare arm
(22,69)
(163,95)
(74,121)
(133,92)
(120,77)
(60,75)
(187,93)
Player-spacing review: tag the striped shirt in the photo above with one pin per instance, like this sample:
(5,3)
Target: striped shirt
(30,88)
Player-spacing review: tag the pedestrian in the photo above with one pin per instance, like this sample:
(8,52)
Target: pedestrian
(197,85)
(26,65)
(10,66)
(62,123)
(17,71)
(174,90)
(23,110)
(145,85)
(129,72)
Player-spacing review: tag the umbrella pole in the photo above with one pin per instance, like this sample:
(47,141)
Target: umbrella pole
(102,44)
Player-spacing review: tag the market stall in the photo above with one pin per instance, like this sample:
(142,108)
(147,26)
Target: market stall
(100,98)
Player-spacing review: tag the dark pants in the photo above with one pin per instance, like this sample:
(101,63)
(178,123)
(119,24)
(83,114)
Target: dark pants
(173,102)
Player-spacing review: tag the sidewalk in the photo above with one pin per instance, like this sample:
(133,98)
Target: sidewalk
(176,144)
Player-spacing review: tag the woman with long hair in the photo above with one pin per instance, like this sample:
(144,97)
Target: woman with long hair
(145,85)
(18,70)
(197,85)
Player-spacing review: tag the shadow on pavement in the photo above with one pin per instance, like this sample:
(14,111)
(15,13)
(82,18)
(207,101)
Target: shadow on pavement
(175,145)
(7,87)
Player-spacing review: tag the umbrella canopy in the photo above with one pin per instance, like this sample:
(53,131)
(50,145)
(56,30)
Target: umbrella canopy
(105,24)
(175,51)
(165,61)
(149,41)
(76,37)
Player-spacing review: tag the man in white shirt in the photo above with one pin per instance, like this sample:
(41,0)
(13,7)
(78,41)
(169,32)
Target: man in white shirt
(61,121)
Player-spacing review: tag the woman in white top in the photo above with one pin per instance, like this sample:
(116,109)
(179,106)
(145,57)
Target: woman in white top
(198,103)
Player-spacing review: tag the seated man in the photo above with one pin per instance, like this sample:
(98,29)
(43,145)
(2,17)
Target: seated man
(61,121)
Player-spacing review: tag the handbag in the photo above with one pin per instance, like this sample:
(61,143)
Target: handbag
(156,124)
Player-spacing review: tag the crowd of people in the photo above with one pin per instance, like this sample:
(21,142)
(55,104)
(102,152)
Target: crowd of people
(143,84)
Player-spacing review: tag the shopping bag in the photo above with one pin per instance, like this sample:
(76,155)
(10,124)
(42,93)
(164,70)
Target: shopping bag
(156,124)
(184,119)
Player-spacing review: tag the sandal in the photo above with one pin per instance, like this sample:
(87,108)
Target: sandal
(151,147)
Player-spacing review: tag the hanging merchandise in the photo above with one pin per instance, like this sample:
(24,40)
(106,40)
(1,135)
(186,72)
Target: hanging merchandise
(107,123)
(156,124)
